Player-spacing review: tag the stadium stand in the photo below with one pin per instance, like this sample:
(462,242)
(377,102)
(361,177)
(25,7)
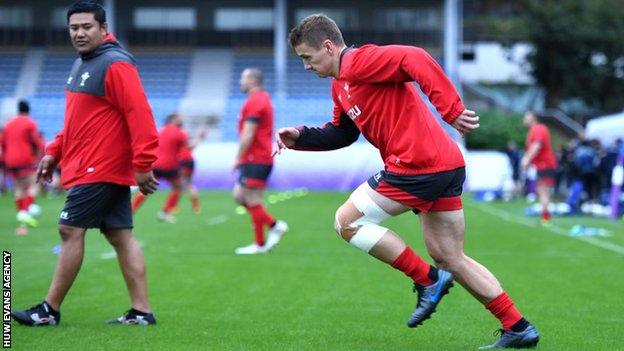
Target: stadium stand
(10,66)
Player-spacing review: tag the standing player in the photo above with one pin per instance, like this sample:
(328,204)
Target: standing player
(424,170)
(21,145)
(254,162)
(107,144)
(539,153)
(172,140)
(187,168)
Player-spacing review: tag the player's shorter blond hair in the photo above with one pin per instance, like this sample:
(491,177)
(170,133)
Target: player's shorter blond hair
(313,30)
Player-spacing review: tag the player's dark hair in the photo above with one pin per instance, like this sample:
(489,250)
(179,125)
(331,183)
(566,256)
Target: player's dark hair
(170,117)
(313,30)
(23,107)
(88,6)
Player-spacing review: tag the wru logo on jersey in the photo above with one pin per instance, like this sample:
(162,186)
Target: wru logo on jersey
(354,112)
(84,77)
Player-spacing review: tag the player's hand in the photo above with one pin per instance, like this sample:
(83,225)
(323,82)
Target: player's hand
(45,169)
(286,138)
(467,122)
(147,182)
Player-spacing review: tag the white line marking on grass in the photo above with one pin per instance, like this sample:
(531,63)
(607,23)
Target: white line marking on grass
(217,220)
(551,228)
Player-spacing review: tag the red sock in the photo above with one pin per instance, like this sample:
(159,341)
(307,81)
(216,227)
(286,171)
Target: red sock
(504,309)
(27,201)
(194,201)
(413,266)
(18,204)
(546,215)
(258,223)
(262,214)
(172,201)
(138,200)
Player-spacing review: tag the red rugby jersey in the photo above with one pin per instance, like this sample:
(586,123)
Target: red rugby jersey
(375,90)
(20,142)
(171,140)
(186,154)
(258,109)
(545,157)
(109,132)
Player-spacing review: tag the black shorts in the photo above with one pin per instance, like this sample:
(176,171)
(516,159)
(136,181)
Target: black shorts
(187,167)
(252,175)
(98,205)
(168,174)
(547,176)
(424,192)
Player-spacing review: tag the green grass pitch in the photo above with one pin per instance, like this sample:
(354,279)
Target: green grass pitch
(315,292)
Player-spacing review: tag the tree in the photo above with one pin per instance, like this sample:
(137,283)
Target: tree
(578,49)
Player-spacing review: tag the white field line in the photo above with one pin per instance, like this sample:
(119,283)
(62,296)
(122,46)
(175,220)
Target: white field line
(551,228)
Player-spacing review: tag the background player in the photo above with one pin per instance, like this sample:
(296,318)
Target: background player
(21,145)
(539,153)
(424,170)
(254,162)
(171,141)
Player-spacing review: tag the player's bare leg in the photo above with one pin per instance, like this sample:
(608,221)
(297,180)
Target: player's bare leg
(67,267)
(25,194)
(444,236)
(252,199)
(68,264)
(132,264)
(543,194)
(166,214)
(357,222)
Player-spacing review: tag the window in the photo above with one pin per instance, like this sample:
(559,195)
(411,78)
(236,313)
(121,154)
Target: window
(165,18)
(344,18)
(15,17)
(409,18)
(243,18)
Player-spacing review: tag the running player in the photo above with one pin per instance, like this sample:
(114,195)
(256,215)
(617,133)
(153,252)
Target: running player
(373,94)
(254,162)
(171,141)
(21,145)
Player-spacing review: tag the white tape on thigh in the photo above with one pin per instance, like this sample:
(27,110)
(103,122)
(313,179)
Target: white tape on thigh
(372,212)
(367,236)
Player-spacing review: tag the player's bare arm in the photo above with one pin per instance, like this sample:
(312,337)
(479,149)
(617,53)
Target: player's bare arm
(530,154)
(246,139)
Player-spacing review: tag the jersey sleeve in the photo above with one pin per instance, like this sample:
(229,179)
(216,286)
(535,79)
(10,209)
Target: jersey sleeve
(55,148)
(124,89)
(252,111)
(338,133)
(398,63)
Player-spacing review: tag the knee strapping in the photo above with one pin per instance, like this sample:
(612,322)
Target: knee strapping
(369,232)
